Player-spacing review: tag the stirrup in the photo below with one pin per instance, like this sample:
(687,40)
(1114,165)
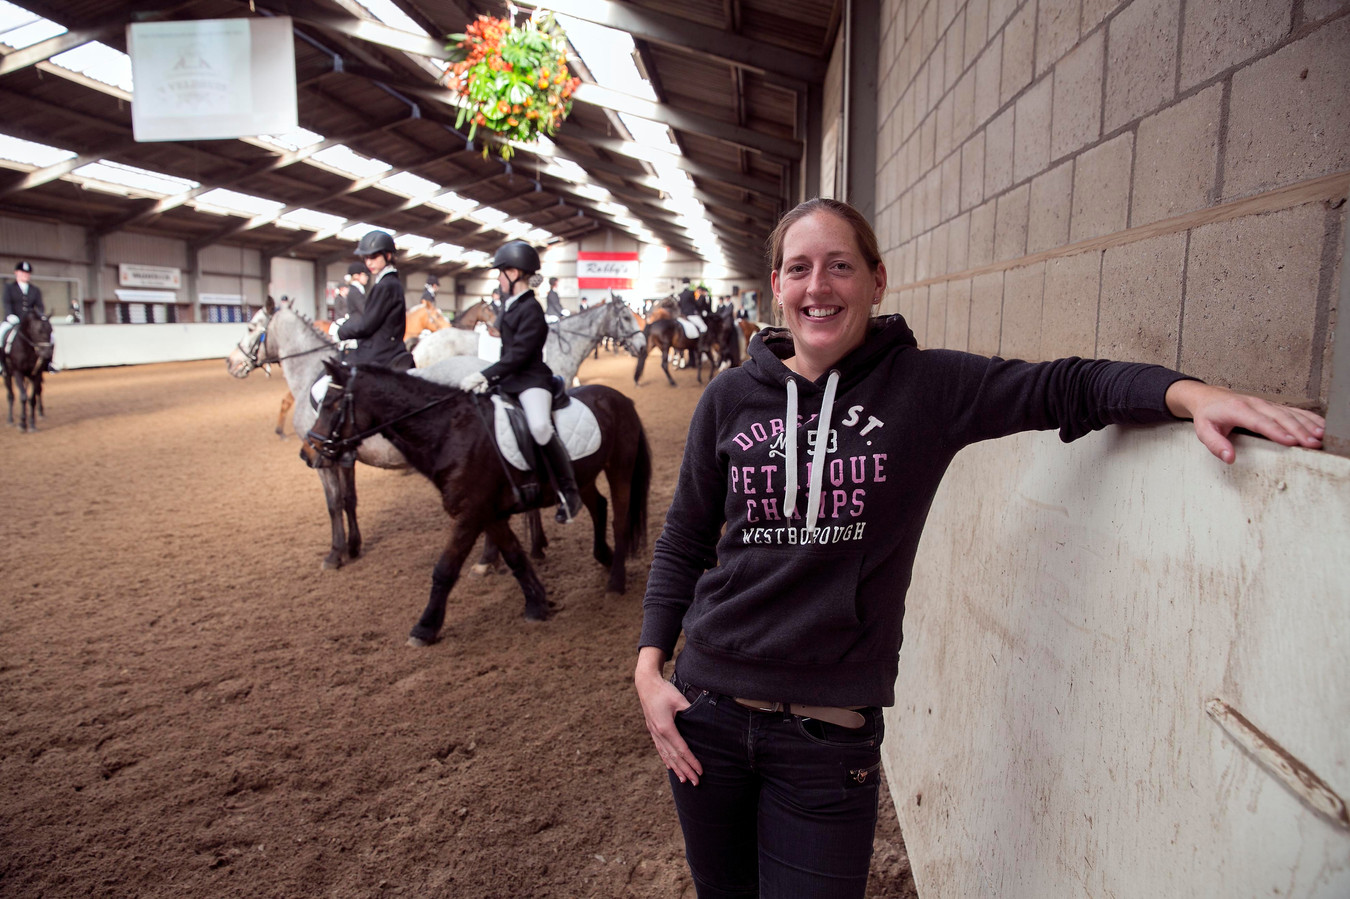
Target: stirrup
(564,514)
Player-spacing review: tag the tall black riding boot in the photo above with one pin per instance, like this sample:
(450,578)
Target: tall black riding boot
(555,454)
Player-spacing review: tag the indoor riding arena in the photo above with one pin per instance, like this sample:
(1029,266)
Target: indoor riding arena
(189,706)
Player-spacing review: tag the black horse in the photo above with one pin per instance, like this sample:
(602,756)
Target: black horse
(27,357)
(719,344)
(444,433)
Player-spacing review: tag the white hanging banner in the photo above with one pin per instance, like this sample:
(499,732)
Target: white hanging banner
(211,79)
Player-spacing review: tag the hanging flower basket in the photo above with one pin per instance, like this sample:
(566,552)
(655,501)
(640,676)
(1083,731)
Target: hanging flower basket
(515,79)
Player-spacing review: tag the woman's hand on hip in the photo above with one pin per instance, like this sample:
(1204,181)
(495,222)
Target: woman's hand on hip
(660,701)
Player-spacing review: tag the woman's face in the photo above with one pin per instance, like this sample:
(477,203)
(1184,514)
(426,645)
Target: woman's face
(826,289)
(375,263)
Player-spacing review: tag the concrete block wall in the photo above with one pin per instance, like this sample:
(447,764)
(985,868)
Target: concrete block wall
(1161,180)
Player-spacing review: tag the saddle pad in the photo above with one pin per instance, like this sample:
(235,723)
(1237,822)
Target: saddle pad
(489,347)
(689,330)
(575,424)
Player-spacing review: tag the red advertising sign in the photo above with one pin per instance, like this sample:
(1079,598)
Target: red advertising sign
(596,271)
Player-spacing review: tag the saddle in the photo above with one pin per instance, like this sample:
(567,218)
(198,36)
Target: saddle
(575,425)
(690,329)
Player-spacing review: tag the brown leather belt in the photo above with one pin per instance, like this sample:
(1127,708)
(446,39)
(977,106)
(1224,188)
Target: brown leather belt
(833,714)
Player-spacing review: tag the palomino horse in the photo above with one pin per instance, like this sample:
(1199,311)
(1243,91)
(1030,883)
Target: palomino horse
(446,434)
(30,352)
(668,334)
(569,339)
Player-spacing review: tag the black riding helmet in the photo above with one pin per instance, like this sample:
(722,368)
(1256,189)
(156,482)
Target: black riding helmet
(519,255)
(375,242)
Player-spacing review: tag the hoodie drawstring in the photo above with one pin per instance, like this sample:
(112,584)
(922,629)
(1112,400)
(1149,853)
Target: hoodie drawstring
(817,453)
(790,434)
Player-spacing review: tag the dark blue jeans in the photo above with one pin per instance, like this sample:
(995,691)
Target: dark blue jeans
(786,807)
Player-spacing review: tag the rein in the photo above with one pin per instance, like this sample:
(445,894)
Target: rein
(39,346)
(333,446)
(255,363)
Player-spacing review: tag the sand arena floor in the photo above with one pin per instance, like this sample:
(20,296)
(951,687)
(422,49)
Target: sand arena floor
(190,707)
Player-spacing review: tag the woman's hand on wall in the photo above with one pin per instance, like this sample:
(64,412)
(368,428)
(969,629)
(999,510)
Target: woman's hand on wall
(1216,411)
(660,701)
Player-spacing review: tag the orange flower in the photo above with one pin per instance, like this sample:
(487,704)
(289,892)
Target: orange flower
(511,120)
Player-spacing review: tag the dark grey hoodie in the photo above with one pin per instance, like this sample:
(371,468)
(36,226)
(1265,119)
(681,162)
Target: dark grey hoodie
(800,598)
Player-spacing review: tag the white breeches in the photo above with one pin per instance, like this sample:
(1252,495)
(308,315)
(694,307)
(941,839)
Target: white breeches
(697,321)
(538,405)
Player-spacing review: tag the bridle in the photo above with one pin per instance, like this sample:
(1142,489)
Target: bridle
(612,308)
(41,348)
(335,446)
(251,355)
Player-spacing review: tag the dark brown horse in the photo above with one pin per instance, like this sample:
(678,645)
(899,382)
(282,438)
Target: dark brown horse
(445,434)
(29,353)
(718,344)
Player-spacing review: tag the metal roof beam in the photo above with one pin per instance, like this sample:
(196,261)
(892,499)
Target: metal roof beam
(780,64)
(761,186)
(53,46)
(781,149)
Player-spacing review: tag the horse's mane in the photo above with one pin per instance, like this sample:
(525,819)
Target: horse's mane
(310,322)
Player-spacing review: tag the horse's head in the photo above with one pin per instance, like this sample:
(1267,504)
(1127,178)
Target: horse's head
(619,325)
(36,330)
(329,434)
(251,351)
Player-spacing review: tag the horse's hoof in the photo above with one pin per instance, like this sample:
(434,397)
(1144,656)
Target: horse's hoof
(417,644)
(421,637)
(331,564)
(480,569)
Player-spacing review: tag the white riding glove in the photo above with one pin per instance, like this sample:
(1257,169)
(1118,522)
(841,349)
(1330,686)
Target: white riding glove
(474,383)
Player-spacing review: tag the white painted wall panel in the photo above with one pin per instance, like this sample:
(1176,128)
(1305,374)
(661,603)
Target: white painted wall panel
(92,346)
(1072,611)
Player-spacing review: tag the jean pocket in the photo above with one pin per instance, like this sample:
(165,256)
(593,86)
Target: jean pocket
(694,695)
(868,736)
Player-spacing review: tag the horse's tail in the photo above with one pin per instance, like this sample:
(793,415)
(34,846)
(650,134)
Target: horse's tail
(639,488)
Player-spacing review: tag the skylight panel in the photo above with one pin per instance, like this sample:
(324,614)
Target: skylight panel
(20,28)
(313,220)
(447,251)
(391,15)
(29,153)
(292,140)
(453,203)
(538,236)
(413,244)
(410,185)
(608,55)
(245,204)
(354,232)
(488,216)
(98,61)
(645,131)
(344,159)
(143,181)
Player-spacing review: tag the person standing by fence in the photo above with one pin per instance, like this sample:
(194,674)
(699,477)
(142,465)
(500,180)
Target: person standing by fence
(791,592)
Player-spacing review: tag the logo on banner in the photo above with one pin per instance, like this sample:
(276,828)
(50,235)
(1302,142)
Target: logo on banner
(601,270)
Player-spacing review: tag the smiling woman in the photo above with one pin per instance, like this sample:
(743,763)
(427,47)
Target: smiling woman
(828,279)
(806,482)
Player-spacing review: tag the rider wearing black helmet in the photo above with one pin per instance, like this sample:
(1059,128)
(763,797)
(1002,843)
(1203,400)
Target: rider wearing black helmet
(521,369)
(378,329)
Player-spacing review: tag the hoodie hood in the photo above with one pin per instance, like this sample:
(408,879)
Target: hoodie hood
(884,334)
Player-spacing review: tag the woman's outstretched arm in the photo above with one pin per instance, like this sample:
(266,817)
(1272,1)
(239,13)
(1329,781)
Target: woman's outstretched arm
(1216,411)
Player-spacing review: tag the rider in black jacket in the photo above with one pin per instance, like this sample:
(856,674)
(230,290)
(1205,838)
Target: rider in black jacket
(521,369)
(378,328)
